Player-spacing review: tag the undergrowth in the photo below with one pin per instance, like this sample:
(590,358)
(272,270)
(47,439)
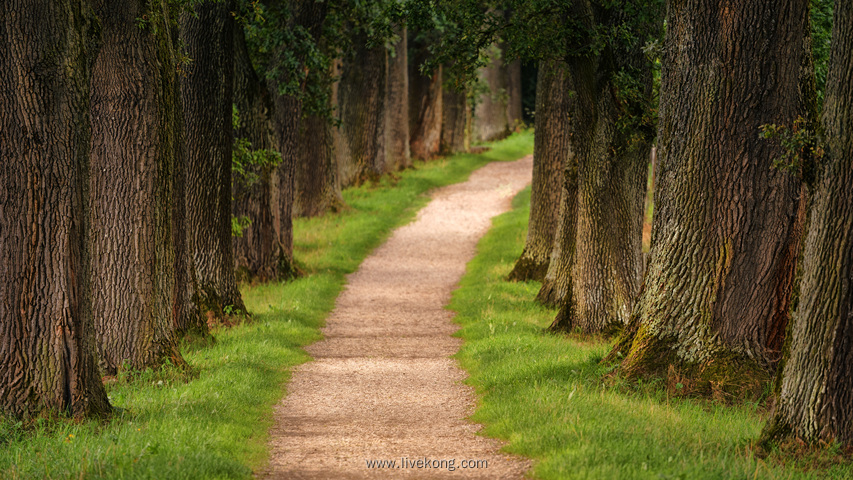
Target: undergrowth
(211,421)
(548,396)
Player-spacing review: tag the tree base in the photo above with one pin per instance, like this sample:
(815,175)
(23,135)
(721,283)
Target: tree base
(725,376)
(527,269)
(549,294)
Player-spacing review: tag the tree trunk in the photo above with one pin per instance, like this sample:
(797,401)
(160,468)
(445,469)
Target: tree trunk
(513,93)
(136,203)
(318,187)
(47,337)
(558,279)
(288,120)
(206,94)
(550,152)
(359,143)
(714,306)
(257,253)
(425,109)
(817,380)
(453,123)
(397,153)
(490,114)
(612,167)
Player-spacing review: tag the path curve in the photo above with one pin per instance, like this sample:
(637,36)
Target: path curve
(382,385)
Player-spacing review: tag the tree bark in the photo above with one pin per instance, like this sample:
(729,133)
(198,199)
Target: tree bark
(513,93)
(318,187)
(716,295)
(137,203)
(425,109)
(47,337)
(558,279)
(257,253)
(288,121)
(817,380)
(453,123)
(490,113)
(207,96)
(397,153)
(551,148)
(359,142)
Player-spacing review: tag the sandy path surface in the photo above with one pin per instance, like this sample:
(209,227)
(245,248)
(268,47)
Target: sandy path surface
(382,385)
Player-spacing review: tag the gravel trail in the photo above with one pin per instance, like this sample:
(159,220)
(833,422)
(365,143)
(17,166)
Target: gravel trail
(381,385)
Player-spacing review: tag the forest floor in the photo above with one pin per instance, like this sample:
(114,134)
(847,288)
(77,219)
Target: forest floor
(382,386)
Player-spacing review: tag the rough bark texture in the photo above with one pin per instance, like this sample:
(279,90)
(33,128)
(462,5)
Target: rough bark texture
(550,151)
(47,337)
(360,101)
(425,104)
(257,253)
(817,381)
(318,189)
(206,94)
(397,153)
(715,303)
(288,119)
(454,131)
(316,185)
(558,279)
(490,113)
(612,167)
(136,198)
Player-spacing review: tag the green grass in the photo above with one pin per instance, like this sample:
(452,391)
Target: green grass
(544,393)
(215,425)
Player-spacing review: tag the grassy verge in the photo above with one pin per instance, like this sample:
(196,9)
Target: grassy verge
(215,424)
(544,395)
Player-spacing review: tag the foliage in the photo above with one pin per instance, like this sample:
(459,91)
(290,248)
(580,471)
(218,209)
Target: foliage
(215,424)
(297,56)
(802,146)
(247,166)
(547,396)
(821,22)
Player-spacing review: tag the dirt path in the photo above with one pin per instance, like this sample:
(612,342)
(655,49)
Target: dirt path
(382,385)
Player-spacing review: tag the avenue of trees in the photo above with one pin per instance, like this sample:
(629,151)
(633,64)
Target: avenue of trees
(748,283)
(154,153)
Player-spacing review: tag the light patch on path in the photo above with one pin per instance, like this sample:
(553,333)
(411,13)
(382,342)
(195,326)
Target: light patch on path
(382,385)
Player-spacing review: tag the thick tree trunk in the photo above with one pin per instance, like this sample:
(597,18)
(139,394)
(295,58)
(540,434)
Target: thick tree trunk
(206,94)
(817,381)
(425,104)
(47,337)
(317,174)
(136,191)
(550,152)
(360,101)
(558,279)
(453,124)
(490,113)
(257,253)
(716,295)
(288,121)
(397,153)
(612,167)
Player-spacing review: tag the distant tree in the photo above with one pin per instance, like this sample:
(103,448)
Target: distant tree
(714,306)
(425,99)
(817,377)
(47,337)
(138,232)
(397,136)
